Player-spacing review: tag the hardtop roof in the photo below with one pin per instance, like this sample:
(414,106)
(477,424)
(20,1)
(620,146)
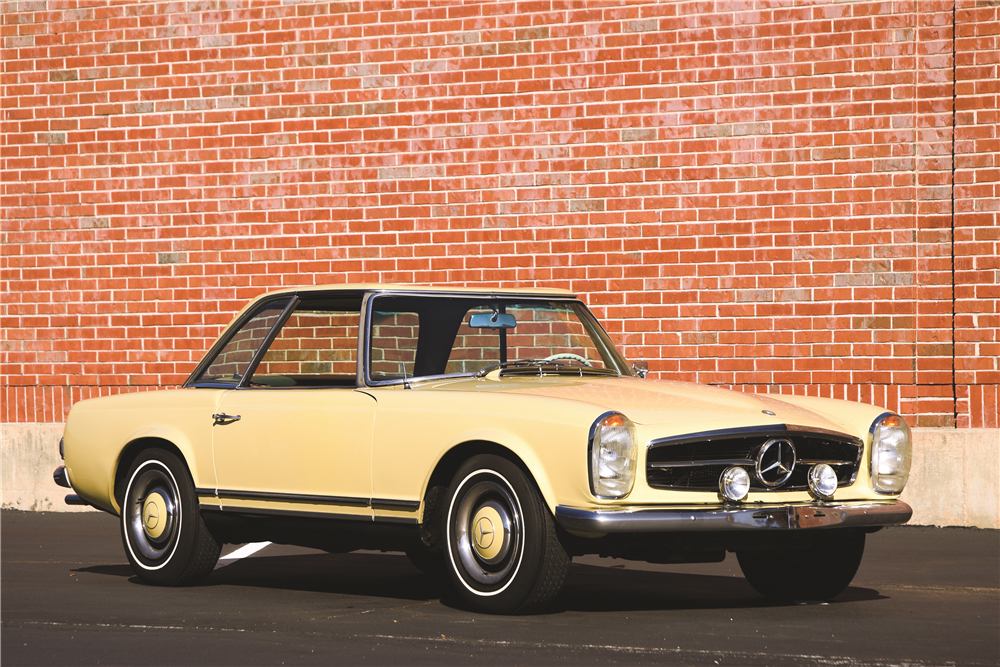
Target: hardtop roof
(425,289)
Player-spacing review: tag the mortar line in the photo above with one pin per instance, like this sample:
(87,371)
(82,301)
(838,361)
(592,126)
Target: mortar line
(954,98)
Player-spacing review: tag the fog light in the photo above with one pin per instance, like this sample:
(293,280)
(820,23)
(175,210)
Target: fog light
(822,481)
(734,484)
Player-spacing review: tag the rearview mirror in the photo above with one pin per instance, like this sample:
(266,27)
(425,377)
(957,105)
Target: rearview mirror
(492,321)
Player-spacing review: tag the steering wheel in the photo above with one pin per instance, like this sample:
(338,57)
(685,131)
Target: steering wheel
(569,355)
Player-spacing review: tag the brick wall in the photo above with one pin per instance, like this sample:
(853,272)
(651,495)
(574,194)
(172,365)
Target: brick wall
(977,206)
(752,194)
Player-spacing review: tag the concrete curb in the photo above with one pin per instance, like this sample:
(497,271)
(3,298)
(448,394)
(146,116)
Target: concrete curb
(955,478)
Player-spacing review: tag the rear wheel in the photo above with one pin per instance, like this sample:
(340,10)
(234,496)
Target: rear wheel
(165,537)
(820,570)
(503,553)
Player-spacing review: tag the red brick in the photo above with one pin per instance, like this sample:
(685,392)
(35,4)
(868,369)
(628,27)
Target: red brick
(749,197)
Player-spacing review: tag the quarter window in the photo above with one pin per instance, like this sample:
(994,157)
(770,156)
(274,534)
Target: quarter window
(317,346)
(232,362)
(394,338)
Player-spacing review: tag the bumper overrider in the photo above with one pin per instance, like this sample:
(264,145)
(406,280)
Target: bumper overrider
(61,478)
(805,516)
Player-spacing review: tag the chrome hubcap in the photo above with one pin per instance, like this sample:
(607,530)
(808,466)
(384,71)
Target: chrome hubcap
(487,530)
(155,515)
(152,513)
(491,532)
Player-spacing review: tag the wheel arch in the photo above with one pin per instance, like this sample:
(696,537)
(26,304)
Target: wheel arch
(128,455)
(452,459)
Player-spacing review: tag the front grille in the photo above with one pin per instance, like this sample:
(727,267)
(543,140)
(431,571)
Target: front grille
(695,462)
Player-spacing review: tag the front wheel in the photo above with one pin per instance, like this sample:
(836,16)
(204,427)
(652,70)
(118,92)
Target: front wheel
(820,570)
(165,537)
(503,553)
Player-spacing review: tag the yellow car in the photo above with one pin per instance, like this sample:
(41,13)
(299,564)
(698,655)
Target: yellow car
(491,435)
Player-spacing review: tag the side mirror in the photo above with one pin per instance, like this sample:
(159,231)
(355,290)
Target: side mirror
(492,321)
(641,368)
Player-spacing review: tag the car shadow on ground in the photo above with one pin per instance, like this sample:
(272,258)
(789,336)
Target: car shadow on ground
(588,588)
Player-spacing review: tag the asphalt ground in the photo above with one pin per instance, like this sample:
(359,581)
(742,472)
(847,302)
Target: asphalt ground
(923,596)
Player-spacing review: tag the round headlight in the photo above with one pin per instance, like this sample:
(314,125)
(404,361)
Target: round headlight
(822,481)
(891,454)
(734,484)
(613,456)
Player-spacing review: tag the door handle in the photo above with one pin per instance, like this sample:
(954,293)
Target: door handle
(222,419)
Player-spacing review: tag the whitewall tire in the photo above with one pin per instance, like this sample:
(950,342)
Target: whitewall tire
(165,537)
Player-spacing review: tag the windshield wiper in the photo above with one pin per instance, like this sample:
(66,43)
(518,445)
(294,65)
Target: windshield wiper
(555,365)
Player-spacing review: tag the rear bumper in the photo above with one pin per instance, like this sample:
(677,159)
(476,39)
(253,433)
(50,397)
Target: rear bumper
(864,514)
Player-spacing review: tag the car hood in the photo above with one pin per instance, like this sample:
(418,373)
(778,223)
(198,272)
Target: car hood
(677,407)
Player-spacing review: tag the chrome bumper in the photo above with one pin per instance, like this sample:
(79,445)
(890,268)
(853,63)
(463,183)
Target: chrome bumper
(734,518)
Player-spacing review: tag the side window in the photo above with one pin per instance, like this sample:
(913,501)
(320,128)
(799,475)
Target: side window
(393,344)
(317,346)
(231,363)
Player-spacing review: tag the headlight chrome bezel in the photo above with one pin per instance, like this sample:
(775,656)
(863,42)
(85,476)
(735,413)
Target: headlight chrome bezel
(606,427)
(891,454)
(734,484)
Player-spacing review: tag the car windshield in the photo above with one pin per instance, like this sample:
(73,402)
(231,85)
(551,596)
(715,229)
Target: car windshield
(418,336)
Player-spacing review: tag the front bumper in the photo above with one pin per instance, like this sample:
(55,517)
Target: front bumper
(862,514)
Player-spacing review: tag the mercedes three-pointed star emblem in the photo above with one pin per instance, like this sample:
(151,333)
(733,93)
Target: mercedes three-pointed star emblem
(484,533)
(775,462)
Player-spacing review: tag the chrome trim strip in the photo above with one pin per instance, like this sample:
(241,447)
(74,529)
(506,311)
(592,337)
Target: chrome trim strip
(293,497)
(361,375)
(812,462)
(803,516)
(700,464)
(333,516)
(382,503)
(412,521)
(390,504)
(871,429)
(731,433)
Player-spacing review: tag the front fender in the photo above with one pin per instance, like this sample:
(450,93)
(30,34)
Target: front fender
(99,432)
(559,469)
(200,463)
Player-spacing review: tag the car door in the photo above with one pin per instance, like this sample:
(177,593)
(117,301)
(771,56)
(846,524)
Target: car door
(296,435)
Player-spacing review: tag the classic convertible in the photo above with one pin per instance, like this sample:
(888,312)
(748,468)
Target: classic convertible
(489,434)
